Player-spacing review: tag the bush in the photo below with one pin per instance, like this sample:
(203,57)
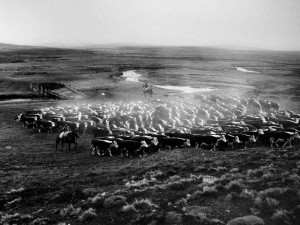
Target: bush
(234,170)
(220,187)
(144,204)
(272,202)
(248,194)
(177,185)
(88,215)
(267,177)
(280,216)
(258,202)
(210,191)
(128,208)
(235,185)
(272,192)
(69,211)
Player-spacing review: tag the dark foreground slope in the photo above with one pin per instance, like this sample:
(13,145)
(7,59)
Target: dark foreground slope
(185,186)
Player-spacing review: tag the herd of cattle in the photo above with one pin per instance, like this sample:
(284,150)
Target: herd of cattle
(138,128)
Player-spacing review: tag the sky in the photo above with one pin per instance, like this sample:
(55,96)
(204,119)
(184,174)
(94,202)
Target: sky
(263,24)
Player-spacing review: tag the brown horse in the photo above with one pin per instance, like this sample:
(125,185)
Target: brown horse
(68,137)
(148,90)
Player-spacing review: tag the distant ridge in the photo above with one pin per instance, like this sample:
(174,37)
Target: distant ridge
(4,46)
(237,47)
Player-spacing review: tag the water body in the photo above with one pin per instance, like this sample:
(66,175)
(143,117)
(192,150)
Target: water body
(134,77)
(245,70)
(16,100)
(131,76)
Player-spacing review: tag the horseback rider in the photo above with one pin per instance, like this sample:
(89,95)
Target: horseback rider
(145,86)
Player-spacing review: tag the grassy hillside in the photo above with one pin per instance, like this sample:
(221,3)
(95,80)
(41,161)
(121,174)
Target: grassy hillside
(183,186)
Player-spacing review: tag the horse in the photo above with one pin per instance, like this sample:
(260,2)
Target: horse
(67,137)
(148,90)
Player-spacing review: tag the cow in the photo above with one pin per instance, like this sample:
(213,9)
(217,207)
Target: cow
(44,125)
(69,137)
(173,142)
(105,146)
(221,144)
(271,138)
(98,132)
(132,148)
(29,121)
(203,140)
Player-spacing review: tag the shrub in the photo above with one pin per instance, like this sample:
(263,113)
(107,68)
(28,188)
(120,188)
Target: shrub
(294,177)
(272,202)
(258,202)
(209,191)
(231,196)
(137,184)
(128,208)
(272,192)
(223,180)
(15,191)
(221,168)
(7,217)
(174,178)
(235,185)
(70,211)
(177,185)
(88,215)
(234,170)
(280,216)
(248,194)
(267,176)
(220,187)
(144,204)
(181,202)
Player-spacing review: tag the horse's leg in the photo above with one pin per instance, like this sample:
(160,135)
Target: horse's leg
(69,146)
(57,142)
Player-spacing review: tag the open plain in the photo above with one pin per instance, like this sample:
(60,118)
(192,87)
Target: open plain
(42,185)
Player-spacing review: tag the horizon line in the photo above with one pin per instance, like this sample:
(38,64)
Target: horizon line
(129,44)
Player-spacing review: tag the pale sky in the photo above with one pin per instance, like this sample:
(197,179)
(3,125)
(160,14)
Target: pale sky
(266,24)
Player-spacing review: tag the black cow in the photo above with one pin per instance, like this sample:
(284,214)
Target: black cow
(173,142)
(204,139)
(240,139)
(44,125)
(271,138)
(69,137)
(99,132)
(139,138)
(105,146)
(132,148)
(29,121)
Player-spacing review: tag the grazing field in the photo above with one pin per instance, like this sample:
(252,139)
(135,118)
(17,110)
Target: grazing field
(42,185)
